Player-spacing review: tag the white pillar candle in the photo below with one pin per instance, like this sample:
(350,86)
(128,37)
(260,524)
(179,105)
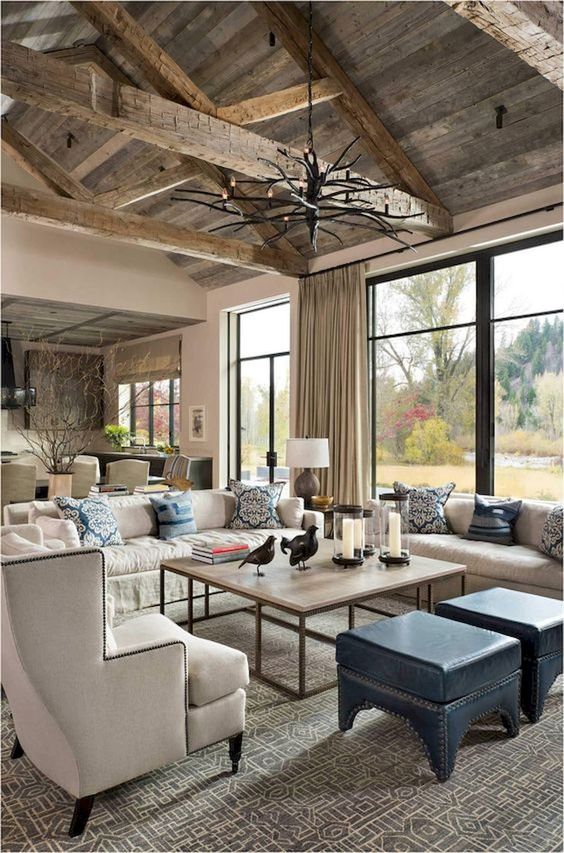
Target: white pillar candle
(348,538)
(358,534)
(394,533)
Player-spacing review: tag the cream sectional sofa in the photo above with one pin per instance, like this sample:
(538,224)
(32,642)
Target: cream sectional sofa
(523,566)
(132,569)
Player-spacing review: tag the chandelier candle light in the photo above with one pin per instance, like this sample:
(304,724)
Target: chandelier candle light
(307,196)
(394,529)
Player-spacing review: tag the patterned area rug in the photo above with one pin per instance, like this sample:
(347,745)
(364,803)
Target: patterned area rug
(305,786)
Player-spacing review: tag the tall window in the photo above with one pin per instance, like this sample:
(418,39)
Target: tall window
(151,411)
(263,393)
(466,372)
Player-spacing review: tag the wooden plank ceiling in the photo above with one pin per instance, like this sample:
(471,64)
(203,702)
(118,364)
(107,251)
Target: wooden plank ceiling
(429,76)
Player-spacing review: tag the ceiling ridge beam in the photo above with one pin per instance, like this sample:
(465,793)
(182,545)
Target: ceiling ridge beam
(36,79)
(279,103)
(141,49)
(42,167)
(290,26)
(85,218)
(528,29)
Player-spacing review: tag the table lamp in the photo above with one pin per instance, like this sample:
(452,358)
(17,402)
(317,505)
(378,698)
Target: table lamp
(307,453)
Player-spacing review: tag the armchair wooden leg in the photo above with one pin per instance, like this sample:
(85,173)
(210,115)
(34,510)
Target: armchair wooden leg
(235,749)
(17,750)
(82,809)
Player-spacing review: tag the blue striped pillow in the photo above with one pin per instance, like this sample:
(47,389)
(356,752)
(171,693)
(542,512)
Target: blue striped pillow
(175,514)
(494,521)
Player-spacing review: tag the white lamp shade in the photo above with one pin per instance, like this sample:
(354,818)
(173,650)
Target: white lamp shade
(307,452)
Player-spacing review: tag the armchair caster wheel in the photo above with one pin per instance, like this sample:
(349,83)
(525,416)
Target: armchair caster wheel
(235,749)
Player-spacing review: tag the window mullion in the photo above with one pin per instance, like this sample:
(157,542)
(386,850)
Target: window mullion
(484,376)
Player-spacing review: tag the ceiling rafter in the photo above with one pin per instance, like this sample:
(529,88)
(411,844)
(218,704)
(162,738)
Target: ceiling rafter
(82,217)
(36,79)
(531,30)
(290,26)
(279,103)
(160,182)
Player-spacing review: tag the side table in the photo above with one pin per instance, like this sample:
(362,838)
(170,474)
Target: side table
(327,513)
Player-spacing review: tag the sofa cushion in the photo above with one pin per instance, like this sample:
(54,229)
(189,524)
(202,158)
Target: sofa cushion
(37,508)
(494,520)
(135,516)
(428,656)
(213,507)
(175,514)
(459,510)
(255,506)
(214,670)
(93,518)
(60,529)
(426,507)
(291,511)
(551,537)
(519,564)
(529,525)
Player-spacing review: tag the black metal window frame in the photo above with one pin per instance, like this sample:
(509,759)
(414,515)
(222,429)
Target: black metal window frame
(151,406)
(271,459)
(484,324)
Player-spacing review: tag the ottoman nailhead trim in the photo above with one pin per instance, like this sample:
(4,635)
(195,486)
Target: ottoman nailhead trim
(534,664)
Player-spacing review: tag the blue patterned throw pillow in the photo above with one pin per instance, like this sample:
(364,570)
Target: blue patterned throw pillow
(426,507)
(175,514)
(255,506)
(93,518)
(493,521)
(551,537)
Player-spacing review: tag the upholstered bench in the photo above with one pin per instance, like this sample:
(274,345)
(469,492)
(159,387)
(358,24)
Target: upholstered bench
(437,675)
(534,620)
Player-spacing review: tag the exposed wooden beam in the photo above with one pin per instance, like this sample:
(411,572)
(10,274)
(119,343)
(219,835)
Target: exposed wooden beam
(158,183)
(279,103)
(40,165)
(136,45)
(291,28)
(36,79)
(78,216)
(90,56)
(531,30)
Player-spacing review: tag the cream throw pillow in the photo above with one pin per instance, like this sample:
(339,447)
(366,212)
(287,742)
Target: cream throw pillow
(14,545)
(60,529)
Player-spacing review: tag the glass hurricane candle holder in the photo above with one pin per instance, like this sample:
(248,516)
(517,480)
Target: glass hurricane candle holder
(348,535)
(371,530)
(394,529)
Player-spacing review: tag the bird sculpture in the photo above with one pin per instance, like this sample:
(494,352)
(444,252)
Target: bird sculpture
(301,547)
(261,556)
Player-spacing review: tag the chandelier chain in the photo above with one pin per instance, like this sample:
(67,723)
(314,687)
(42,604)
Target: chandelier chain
(309,78)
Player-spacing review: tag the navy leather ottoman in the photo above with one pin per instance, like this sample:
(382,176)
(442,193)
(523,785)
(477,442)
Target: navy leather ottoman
(534,620)
(437,675)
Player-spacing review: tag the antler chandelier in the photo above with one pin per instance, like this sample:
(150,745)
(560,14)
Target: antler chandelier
(306,196)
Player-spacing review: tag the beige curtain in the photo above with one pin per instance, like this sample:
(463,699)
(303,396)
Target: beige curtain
(148,361)
(333,377)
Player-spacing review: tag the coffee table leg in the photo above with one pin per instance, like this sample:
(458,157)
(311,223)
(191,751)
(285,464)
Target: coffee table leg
(190,605)
(206,601)
(429,598)
(463,584)
(162,592)
(418,598)
(258,638)
(301,657)
(351,616)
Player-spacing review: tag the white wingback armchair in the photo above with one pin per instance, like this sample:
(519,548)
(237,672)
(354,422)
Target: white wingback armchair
(94,707)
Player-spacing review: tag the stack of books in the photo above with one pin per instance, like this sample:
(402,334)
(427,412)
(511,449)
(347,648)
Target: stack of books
(215,554)
(151,489)
(109,490)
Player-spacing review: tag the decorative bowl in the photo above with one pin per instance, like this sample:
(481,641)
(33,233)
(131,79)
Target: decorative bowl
(323,501)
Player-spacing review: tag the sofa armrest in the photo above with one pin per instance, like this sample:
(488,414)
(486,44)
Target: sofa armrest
(16,513)
(31,532)
(312,517)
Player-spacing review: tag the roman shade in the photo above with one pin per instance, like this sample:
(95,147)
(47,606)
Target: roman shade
(148,361)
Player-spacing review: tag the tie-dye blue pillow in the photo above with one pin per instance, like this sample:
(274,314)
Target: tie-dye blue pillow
(175,514)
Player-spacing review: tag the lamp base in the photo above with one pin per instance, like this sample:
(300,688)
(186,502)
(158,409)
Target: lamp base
(306,485)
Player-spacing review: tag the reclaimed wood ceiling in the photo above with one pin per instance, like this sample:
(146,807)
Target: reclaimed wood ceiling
(41,319)
(432,77)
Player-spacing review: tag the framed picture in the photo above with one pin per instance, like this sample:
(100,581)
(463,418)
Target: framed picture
(197,418)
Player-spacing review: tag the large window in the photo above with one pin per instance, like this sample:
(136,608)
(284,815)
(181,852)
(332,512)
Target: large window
(151,411)
(263,393)
(466,372)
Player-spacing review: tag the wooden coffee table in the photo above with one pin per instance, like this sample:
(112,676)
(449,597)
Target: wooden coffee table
(322,588)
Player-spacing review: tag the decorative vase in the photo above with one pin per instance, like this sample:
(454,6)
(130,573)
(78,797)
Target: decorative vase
(60,484)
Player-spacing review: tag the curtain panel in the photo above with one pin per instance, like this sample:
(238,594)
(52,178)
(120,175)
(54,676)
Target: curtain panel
(332,400)
(149,361)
